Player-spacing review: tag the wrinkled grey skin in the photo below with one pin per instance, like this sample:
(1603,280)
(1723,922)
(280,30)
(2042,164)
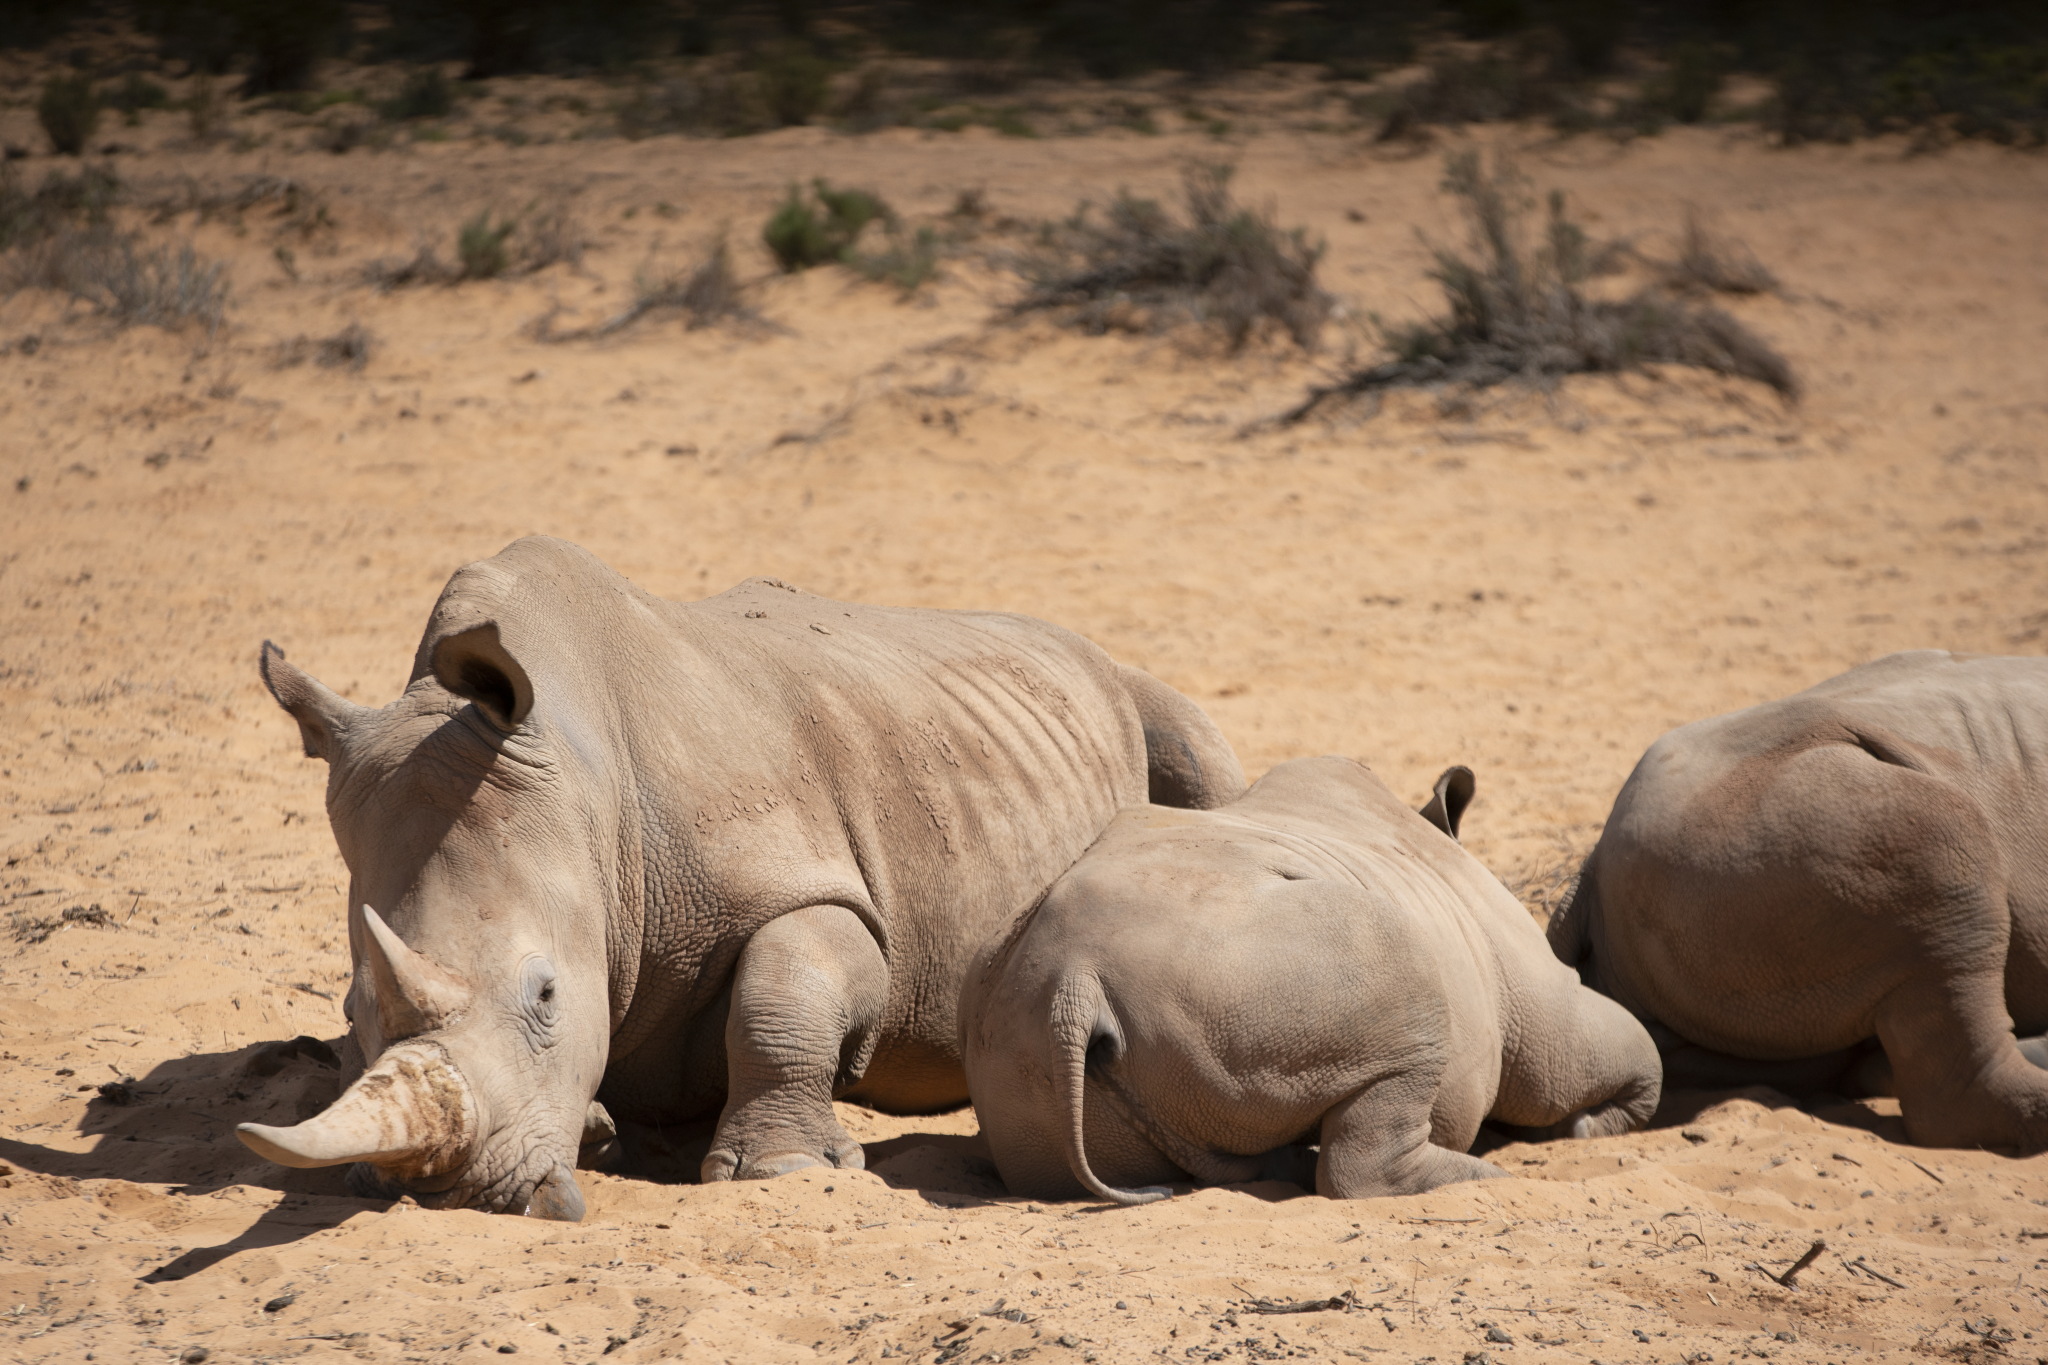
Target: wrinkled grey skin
(1312,963)
(1865,859)
(720,857)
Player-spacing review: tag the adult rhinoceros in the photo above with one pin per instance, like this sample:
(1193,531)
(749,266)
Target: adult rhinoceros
(682,856)
(1867,858)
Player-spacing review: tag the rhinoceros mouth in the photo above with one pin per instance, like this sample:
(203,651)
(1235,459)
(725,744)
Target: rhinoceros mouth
(537,1187)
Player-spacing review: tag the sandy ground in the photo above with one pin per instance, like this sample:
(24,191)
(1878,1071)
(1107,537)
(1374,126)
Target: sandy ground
(1535,585)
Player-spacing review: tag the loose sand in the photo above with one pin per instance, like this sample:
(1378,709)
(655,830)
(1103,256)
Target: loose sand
(1537,586)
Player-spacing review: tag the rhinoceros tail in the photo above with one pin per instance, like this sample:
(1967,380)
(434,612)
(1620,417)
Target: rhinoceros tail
(1081,1021)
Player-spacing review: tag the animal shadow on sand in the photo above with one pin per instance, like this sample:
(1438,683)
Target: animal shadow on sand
(175,1127)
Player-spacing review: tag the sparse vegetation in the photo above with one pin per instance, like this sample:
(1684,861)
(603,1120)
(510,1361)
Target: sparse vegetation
(910,261)
(1521,312)
(795,84)
(69,112)
(27,217)
(135,93)
(425,94)
(821,228)
(205,108)
(480,246)
(550,234)
(1142,268)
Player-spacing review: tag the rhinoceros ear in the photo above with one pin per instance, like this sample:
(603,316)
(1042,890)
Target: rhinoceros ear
(322,716)
(475,664)
(1447,803)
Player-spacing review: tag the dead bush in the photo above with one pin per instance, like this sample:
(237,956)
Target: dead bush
(1139,266)
(1521,312)
(707,293)
(550,233)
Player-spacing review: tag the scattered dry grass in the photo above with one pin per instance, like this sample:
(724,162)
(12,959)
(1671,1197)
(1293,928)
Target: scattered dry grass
(27,928)
(1140,268)
(1520,312)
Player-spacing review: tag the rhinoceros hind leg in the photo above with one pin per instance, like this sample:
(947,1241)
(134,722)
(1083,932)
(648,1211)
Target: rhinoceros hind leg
(1377,1143)
(1588,1069)
(807,997)
(1962,1079)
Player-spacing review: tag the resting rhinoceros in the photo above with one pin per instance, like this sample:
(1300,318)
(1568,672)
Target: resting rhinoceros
(1867,858)
(1314,962)
(682,856)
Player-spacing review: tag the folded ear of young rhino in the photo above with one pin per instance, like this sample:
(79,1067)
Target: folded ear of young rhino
(1314,962)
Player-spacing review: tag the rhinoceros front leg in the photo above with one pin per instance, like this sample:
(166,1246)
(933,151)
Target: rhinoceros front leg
(807,1000)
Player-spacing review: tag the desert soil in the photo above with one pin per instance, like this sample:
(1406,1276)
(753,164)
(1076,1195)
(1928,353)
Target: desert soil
(1534,584)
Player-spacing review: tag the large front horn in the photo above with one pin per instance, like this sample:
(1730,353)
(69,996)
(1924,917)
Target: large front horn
(411,1115)
(415,994)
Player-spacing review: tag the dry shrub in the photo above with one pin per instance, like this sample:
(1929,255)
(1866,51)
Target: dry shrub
(1517,312)
(707,293)
(129,283)
(347,349)
(27,217)
(69,112)
(1712,264)
(424,266)
(550,234)
(1141,267)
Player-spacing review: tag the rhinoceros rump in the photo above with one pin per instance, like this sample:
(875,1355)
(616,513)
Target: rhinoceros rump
(1865,859)
(1313,962)
(609,853)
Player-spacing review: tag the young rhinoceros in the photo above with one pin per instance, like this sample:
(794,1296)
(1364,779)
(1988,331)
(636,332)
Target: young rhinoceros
(725,857)
(1313,962)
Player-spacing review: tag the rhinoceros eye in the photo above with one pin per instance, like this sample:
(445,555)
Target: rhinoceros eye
(537,981)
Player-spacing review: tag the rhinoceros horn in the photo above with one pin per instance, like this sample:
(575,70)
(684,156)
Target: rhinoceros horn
(411,1114)
(415,994)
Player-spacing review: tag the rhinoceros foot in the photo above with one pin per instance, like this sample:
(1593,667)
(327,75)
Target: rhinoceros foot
(722,1163)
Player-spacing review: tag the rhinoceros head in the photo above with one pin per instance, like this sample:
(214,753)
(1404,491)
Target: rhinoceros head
(479,899)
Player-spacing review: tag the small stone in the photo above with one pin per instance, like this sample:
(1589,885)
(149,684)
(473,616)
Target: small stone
(192,1356)
(281,1302)
(1498,1337)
